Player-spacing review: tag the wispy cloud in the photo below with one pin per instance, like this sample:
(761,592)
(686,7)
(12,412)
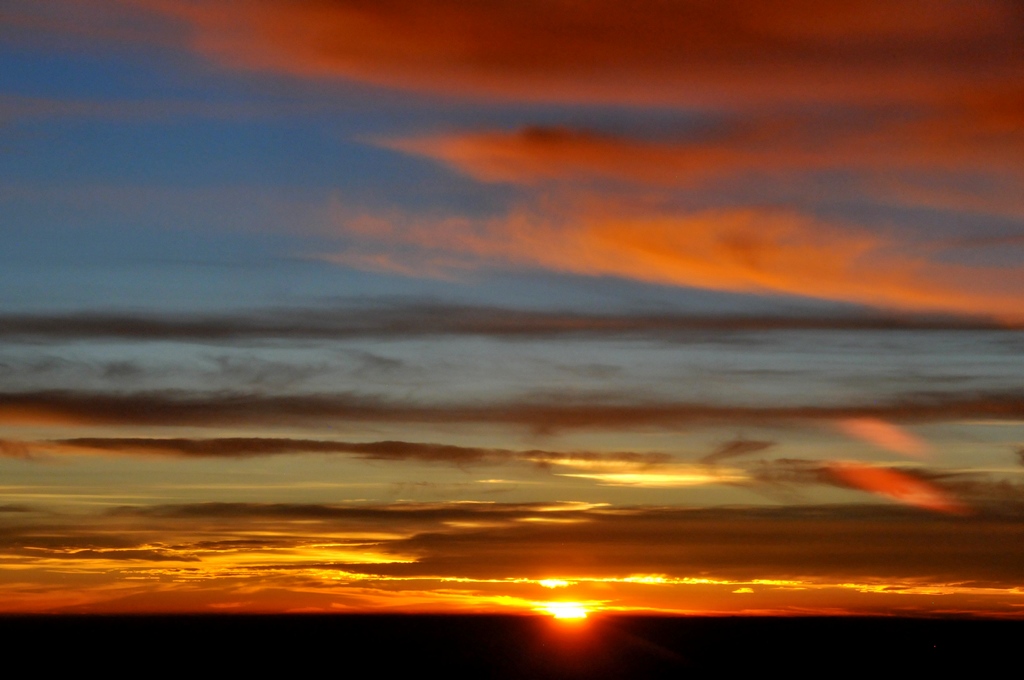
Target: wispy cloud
(735,449)
(885,435)
(957,492)
(949,141)
(743,250)
(961,159)
(14,449)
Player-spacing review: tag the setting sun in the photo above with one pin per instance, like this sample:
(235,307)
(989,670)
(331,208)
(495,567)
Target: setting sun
(686,310)
(566,610)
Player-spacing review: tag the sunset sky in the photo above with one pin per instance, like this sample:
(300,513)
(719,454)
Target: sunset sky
(479,306)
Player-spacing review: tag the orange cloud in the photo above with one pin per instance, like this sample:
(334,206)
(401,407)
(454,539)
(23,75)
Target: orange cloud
(950,141)
(648,51)
(746,250)
(885,435)
(897,485)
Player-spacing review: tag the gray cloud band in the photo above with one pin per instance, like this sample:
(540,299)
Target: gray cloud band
(541,413)
(412,320)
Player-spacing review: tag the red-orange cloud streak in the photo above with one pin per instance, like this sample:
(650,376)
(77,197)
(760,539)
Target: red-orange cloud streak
(897,485)
(970,140)
(745,250)
(885,435)
(647,52)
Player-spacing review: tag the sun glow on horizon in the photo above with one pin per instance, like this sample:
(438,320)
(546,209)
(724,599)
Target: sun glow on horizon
(569,611)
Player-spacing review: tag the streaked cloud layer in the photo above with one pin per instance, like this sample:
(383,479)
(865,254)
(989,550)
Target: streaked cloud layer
(394,320)
(674,307)
(539,413)
(346,558)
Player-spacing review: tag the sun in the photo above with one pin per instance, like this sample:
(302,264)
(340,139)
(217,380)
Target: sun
(570,611)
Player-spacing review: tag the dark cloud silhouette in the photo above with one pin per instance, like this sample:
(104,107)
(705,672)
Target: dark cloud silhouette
(11,507)
(994,496)
(246,447)
(409,516)
(413,320)
(882,542)
(736,448)
(122,554)
(876,542)
(541,413)
(796,471)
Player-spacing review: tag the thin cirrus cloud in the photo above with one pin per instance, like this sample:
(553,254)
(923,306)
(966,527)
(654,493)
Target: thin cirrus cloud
(735,249)
(940,141)
(650,52)
(885,435)
(735,449)
(924,160)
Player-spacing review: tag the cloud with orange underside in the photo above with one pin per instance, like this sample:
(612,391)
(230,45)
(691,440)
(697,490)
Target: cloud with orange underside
(647,52)
(743,250)
(896,485)
(886,435)
(954,141)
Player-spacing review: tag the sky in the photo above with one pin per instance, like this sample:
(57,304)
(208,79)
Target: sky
(512,307)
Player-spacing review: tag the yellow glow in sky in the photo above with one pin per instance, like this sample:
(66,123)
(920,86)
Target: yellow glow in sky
(565,610)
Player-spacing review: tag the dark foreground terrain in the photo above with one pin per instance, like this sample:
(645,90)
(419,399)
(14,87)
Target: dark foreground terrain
(504,646)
